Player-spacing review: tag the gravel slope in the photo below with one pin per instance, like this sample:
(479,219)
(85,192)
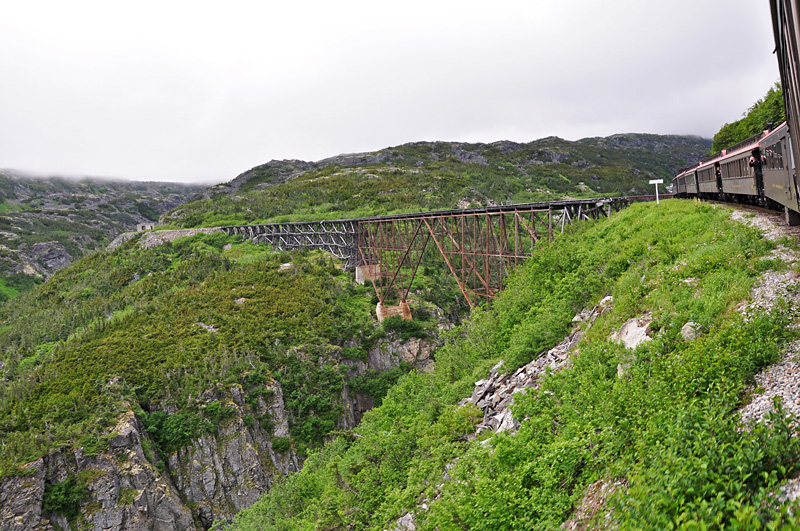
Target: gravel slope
(783,378)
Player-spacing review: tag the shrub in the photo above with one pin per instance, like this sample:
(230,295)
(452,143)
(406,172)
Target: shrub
(176,431)
(377,384)
(281,444)
(217,413)
(65,497)
(406,329)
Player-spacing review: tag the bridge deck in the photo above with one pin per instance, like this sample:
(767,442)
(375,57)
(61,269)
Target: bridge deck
(515,207)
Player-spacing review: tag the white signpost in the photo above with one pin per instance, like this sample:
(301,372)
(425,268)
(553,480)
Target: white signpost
(657,182)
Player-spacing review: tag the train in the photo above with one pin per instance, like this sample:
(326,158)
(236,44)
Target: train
(760,170)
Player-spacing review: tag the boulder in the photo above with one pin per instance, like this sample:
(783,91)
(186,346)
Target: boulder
(633,332)
(690,331)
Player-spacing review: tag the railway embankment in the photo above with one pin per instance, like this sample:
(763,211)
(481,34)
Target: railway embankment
(782,379)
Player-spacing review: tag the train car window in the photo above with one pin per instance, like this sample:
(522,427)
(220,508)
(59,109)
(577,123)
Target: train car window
(727,170)
(743,166)
(735,168)
(774,156)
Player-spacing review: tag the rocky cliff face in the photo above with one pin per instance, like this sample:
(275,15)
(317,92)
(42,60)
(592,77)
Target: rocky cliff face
(46,258)
(219,475)
(131,487)
(126,490)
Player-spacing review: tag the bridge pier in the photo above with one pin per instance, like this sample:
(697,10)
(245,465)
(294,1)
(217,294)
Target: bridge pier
(402,310)
(368,272)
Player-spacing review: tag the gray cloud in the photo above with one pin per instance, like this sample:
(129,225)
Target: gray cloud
(191,91)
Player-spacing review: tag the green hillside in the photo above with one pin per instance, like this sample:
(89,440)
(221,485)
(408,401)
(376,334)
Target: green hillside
(235,366)
(194,339)
(46,223)
(666,427)
(441,175)
(153,329)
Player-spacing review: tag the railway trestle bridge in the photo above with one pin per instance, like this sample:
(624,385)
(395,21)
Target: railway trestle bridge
(479,246)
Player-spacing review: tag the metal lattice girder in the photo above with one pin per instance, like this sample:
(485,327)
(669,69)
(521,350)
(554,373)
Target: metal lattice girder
(477,245)
(337,237)
(395,245)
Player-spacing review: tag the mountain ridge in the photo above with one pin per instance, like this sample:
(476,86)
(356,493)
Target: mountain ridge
(371,157)
(434,175)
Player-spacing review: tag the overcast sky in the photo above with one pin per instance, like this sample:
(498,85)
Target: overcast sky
(201,91)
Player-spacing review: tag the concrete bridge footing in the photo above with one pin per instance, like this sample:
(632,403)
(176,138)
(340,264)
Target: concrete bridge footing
(402,310)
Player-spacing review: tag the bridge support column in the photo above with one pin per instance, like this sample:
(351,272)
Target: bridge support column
(368,272)
(402,310)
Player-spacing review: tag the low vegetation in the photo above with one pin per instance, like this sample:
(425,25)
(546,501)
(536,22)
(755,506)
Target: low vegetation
(154,329)
(668,428)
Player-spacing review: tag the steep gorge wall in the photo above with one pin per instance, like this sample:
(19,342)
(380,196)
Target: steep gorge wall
(132,487)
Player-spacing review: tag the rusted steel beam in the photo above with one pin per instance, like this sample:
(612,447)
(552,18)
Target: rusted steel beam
(527,228)
(447,261)
(462,252)
(400,264)
(480,237)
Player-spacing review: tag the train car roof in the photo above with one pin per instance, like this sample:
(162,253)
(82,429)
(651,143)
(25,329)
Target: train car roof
(742,147)
(776,131)
(735,150)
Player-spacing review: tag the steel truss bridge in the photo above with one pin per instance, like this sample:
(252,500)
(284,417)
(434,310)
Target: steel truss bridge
(479,246)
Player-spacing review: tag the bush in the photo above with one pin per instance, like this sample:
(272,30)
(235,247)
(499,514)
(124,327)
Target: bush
(377,384)
(217,413)
(406,329)
(281,444)
(173,432)
(65,497)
